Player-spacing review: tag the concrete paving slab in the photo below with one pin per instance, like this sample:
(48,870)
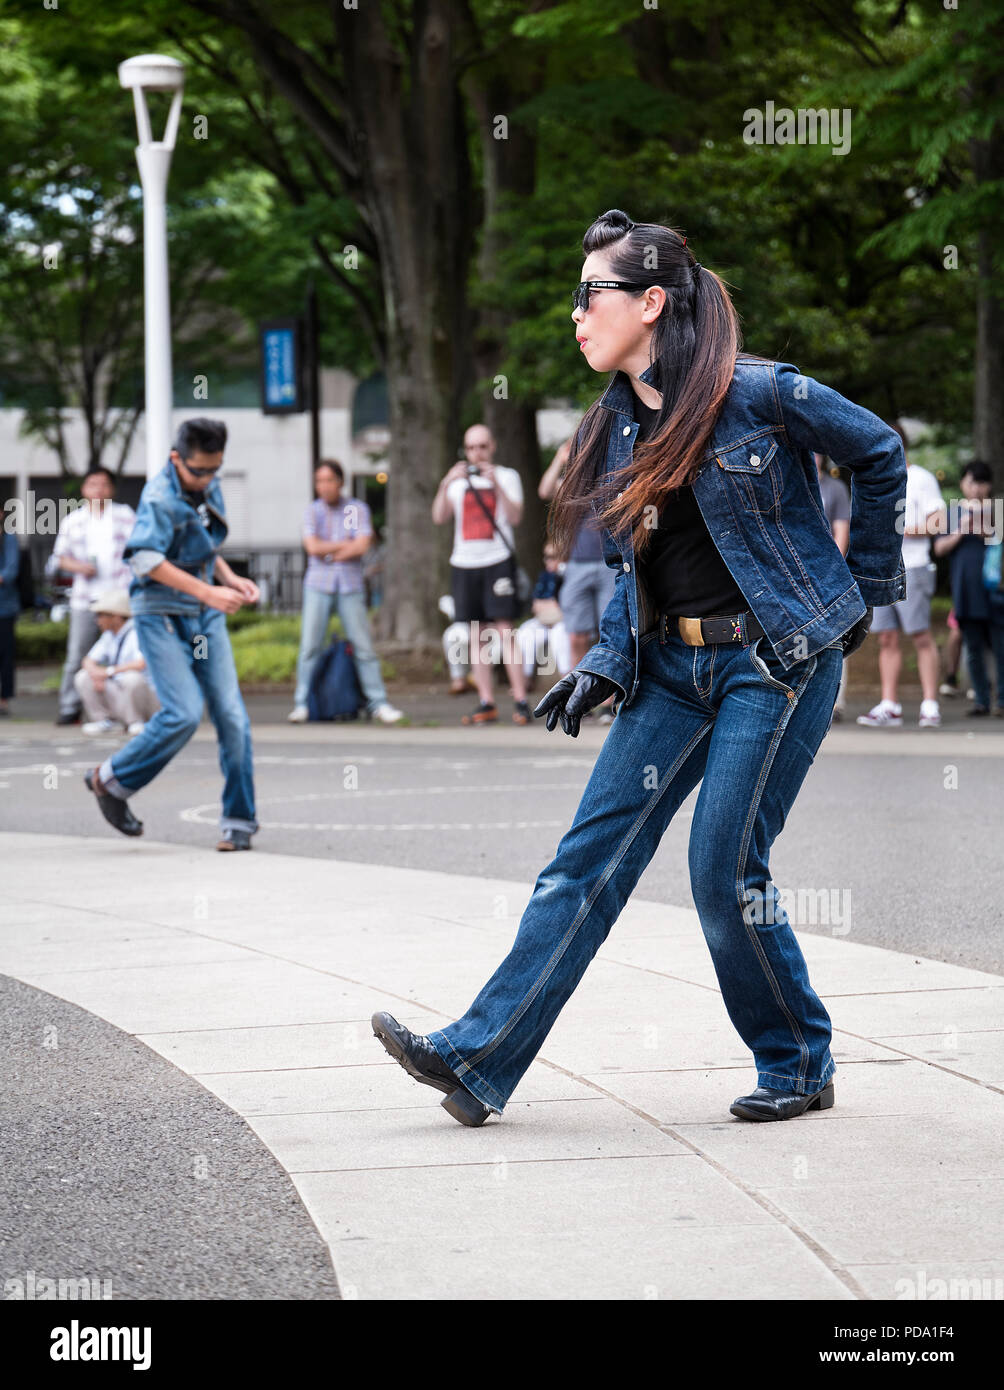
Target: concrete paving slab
(833,972)
(831,1148)
(590,1263)
(236,994)
(106,952)
(945,1011)
(275,1047)
(881,1222)
(979,1055)
(680,1098)
(934,1281)
(644,1228)
(372,1086)
(418,1137)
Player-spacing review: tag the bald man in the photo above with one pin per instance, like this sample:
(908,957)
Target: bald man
(484,502)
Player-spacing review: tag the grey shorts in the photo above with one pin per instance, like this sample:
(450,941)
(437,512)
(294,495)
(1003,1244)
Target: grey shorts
(586,588)
(913,613)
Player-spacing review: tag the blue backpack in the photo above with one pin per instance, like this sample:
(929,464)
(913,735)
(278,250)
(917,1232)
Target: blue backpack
(334,687)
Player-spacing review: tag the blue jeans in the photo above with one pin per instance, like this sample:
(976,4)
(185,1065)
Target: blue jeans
(317,608)
(729,714)
(189,660)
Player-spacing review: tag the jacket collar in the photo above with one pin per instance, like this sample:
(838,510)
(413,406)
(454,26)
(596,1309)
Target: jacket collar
(174,482)
(619,395)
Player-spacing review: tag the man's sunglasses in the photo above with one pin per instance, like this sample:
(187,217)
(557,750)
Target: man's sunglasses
(201,472)
(580,298)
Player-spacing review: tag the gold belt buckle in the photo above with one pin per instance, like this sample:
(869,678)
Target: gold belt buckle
(690,631)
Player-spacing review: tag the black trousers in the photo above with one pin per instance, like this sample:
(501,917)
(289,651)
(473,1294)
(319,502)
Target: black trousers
(7,658)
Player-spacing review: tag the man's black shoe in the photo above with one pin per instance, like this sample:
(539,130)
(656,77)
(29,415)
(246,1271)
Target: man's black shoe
(421,1060)
(767,1104)
(115,811)
(67,719)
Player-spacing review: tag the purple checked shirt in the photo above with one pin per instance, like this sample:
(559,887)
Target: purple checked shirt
(344,521)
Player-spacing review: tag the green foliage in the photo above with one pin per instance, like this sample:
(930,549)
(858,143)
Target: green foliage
(36,643)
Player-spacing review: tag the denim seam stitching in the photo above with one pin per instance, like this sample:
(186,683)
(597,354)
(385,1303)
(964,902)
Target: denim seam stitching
(466,1067)
(587,906)
(768,763)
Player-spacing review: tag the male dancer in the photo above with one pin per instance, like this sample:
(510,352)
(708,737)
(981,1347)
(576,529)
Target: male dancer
(178,614)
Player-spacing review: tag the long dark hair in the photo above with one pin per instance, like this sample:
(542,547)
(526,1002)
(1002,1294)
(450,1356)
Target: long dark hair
(694,345)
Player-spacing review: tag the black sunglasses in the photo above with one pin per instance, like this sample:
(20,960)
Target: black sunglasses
(580,297)
(201,472)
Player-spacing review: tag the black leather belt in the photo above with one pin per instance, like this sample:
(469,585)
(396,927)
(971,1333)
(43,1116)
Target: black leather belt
(703,632)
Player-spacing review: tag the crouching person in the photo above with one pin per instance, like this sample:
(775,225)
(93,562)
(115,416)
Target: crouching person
(112,681)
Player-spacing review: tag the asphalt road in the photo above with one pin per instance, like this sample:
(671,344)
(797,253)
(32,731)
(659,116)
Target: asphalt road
(886,849)
(118,1169)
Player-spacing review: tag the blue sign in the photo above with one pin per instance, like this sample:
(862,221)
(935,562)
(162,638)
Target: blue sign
(280,367)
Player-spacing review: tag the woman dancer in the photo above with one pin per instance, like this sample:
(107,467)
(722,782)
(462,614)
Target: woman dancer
(723,643)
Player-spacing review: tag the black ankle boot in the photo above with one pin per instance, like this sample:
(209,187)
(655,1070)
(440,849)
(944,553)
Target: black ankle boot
(421,1060)
(767,1104)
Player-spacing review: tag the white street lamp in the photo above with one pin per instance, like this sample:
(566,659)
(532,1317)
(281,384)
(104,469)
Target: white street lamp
(155,73)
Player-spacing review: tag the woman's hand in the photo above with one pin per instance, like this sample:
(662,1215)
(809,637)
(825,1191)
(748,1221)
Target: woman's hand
(854,636)
(569,700)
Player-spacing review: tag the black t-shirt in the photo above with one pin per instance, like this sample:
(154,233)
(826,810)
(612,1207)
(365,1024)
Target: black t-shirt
(681,567)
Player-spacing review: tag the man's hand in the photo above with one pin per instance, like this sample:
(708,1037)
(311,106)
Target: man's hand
(247,588)
(223,597)
(569,700)
(854,636)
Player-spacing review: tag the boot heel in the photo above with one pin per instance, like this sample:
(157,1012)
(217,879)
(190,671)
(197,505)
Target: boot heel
(824,1101)
(465,1107)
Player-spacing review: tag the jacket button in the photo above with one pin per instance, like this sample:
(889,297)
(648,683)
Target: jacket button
(627,429)
(755,460)
(634,632)
(627,568)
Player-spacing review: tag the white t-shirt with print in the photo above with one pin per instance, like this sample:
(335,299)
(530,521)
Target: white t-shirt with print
(476,543)
(923,496)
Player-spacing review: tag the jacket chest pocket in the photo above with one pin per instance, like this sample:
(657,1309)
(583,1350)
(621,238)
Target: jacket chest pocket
(752,471)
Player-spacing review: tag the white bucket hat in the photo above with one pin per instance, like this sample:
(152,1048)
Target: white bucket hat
(115,601)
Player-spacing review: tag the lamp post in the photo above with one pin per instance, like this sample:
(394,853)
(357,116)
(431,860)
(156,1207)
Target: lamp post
(152,72)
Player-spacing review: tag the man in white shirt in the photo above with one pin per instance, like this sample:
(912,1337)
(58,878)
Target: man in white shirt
(112,681)
(924,515)
(485,502)
(89,546)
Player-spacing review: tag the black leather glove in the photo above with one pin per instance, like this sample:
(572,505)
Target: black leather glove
(569,700)
(855,635)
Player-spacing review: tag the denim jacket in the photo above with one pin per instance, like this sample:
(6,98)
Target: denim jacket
(169,528)
(758,493)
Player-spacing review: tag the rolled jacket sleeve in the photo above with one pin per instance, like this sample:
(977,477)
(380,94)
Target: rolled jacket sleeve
(815,417)
(150,539)
(141,562)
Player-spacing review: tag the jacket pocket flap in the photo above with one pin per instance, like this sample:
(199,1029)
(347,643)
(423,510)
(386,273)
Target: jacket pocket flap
(749,458)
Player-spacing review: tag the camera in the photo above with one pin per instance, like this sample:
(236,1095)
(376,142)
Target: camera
(472,469)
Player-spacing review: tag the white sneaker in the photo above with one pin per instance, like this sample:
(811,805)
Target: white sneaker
(298,715)
(930,715)
(135,729)
(99,726)
(387,714)
(883,716)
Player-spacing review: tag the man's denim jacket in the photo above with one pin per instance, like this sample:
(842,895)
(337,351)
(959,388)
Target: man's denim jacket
(758,492)
(169,528)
